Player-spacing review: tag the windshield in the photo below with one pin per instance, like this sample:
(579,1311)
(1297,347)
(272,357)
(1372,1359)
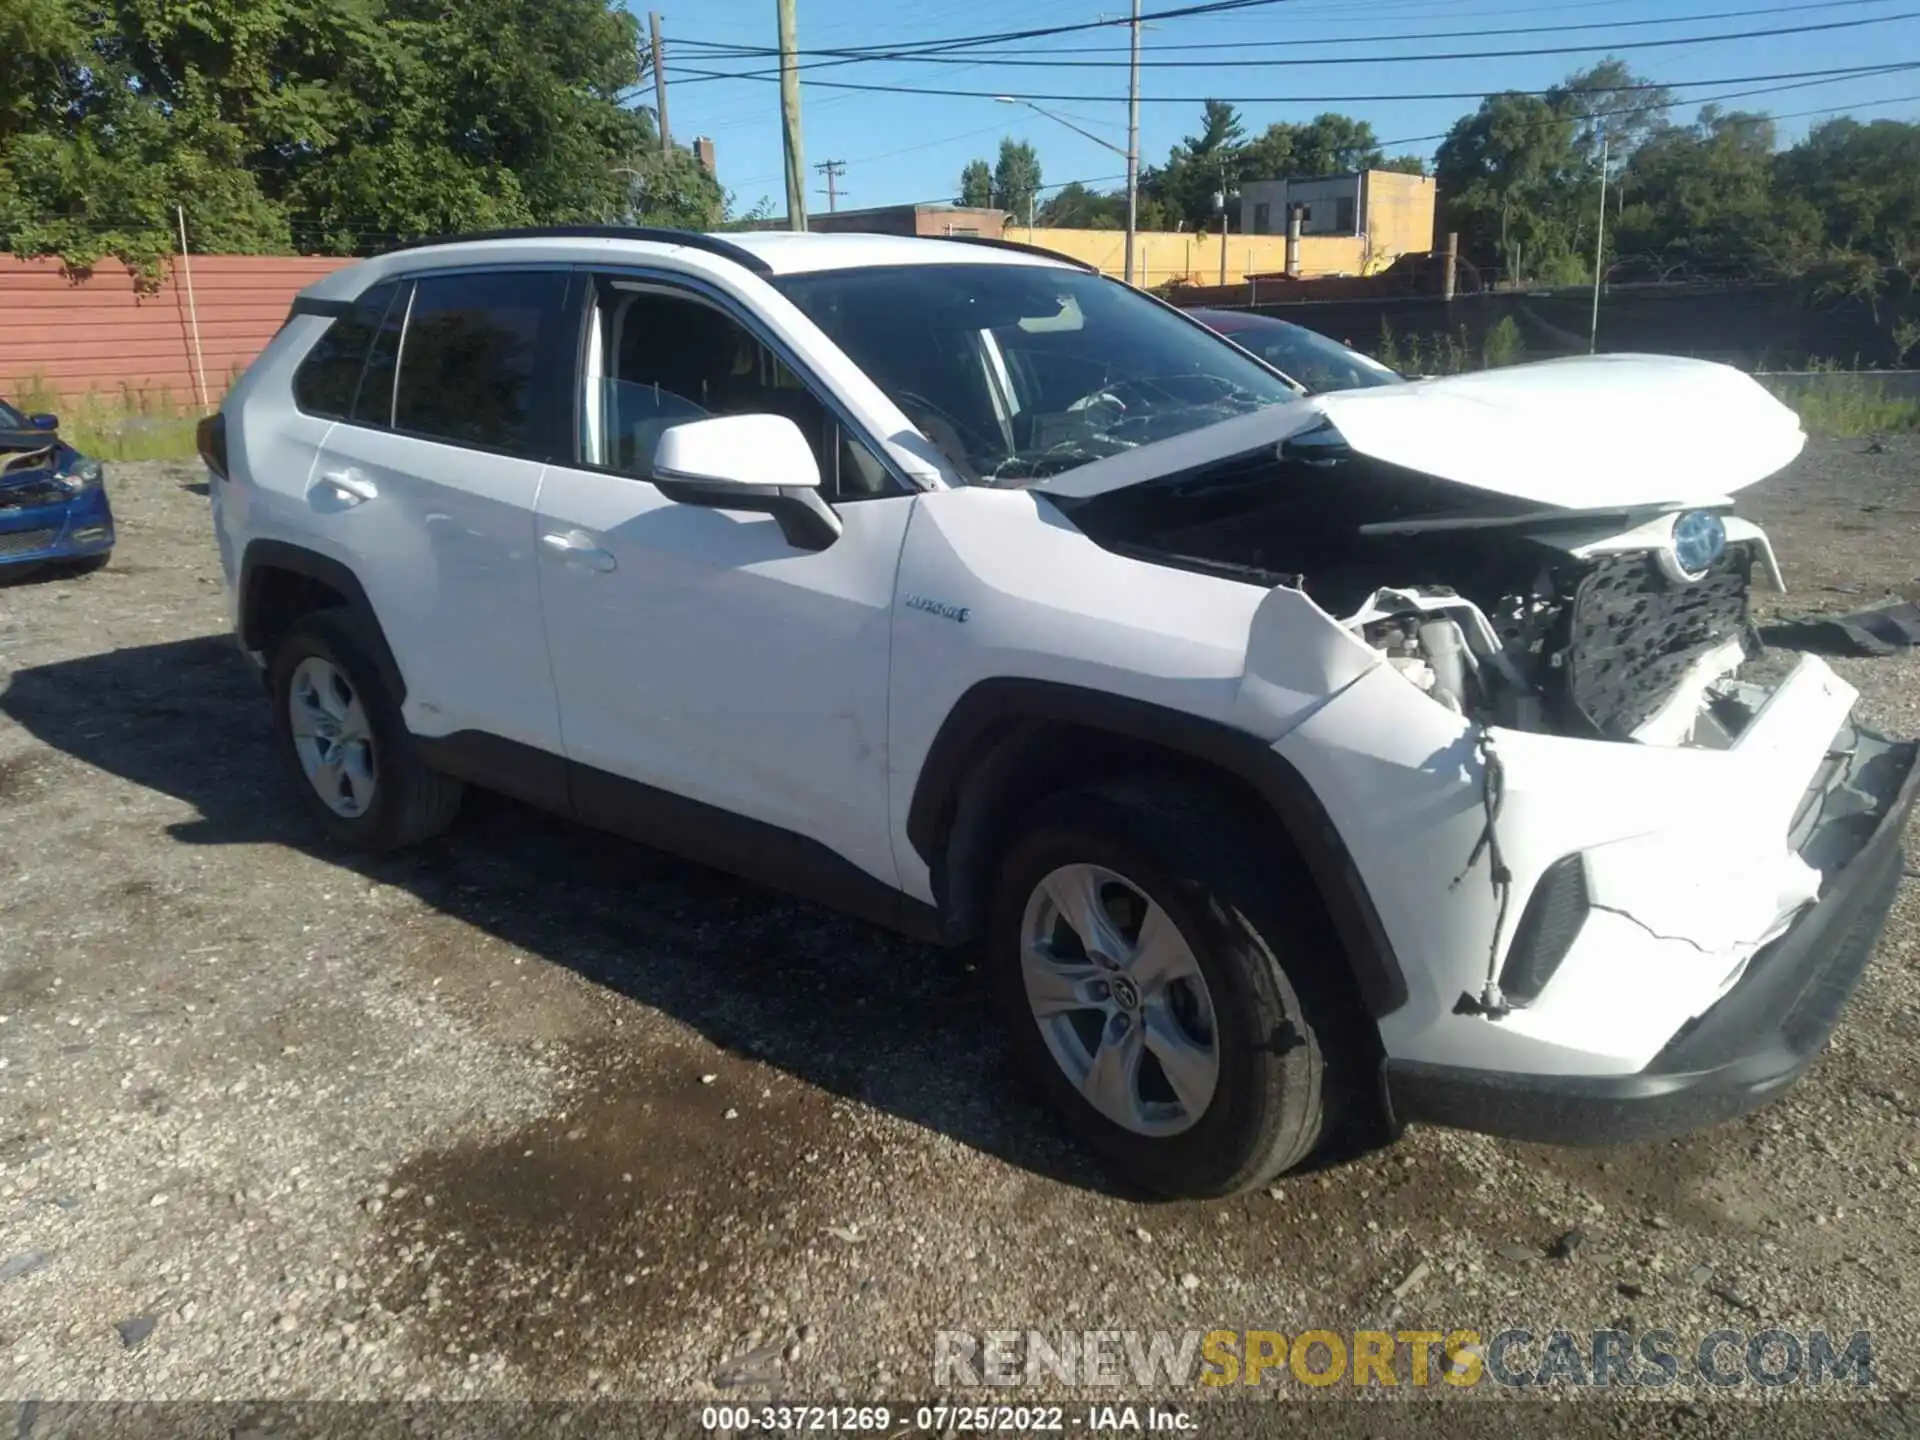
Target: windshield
(10,418)
(1018,372)
(1315,361)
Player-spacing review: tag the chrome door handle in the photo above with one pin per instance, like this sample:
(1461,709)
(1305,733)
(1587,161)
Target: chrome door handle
(573,546)
(352,484)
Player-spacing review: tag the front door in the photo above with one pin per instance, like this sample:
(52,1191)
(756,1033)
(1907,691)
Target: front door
(696,651)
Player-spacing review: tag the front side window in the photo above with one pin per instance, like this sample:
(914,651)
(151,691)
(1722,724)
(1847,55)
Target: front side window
(327,380)
(1018,372)
(476,360)
(662,357)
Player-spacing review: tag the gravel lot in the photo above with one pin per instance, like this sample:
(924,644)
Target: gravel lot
(535,1113)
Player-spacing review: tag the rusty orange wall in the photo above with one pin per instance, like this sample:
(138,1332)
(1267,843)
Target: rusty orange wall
(75,333)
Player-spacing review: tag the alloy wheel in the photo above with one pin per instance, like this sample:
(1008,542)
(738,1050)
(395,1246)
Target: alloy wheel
(1120,1000)
(332,737)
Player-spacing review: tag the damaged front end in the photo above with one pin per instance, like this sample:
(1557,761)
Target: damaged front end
(1611,624)
(1586,831)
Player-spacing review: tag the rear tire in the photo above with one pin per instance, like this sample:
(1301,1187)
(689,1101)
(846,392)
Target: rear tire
(1258,1027)
(341,737)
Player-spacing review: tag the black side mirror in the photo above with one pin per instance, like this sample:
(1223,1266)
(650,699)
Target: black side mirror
(44,421)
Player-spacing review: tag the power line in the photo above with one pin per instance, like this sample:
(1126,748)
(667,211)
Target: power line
(962,42)
(1388,144)
(1040,57)
(1345,98)
(1861,74)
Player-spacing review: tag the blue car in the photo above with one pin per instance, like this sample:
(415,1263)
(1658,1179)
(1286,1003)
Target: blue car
(53,499)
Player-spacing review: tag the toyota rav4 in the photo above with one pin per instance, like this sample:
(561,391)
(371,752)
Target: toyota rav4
(1296,760)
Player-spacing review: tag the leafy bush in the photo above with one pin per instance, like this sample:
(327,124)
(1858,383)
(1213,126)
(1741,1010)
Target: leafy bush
(1504,344)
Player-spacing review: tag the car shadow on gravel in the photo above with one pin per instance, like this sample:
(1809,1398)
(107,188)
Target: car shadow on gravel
(847,1007)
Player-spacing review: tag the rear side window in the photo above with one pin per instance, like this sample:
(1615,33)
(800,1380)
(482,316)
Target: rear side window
(327,379)
(479,364)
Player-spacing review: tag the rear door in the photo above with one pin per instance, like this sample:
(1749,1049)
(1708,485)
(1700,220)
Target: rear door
(428,491)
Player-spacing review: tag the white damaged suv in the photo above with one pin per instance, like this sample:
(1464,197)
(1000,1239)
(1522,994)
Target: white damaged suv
(1297,760)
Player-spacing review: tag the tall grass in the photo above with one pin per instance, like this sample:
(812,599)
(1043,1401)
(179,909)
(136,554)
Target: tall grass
(1843,403)
(1450,352)
(123,424)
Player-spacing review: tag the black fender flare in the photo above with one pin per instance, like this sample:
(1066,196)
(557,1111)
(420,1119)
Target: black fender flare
(263,556)
(963,771)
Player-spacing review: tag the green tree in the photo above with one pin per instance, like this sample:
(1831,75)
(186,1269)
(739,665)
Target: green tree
(1016,178)
(330,125)
(1074,205)
(1511,181)
(1610,100)
(1863,181)
(1333,144)
(1702,197)
(976,185)
(1197,167)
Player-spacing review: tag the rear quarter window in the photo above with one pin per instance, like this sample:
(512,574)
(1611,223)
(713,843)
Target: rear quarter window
(328,379)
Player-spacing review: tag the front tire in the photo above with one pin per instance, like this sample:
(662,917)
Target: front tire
(1168,988)
(340,734)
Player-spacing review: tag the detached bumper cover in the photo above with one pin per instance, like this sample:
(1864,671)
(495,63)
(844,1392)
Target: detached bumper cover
(1751,1045)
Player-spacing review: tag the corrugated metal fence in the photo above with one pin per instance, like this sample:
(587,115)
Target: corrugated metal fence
(70,334)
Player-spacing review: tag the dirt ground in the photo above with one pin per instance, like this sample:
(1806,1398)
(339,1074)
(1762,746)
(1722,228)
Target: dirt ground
(536,1113)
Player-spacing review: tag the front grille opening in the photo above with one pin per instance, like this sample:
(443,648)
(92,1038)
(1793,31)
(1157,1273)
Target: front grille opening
(25,542)
(1547,930)
(1633,633)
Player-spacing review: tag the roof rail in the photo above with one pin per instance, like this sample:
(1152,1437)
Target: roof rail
(1039,250)
(692,239)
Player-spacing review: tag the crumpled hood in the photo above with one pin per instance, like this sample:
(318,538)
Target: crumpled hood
(1587,433)
(15,441)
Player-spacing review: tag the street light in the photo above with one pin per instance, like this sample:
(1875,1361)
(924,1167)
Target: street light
(1125,154)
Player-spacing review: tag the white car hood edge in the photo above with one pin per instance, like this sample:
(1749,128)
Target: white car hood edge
(1586,433)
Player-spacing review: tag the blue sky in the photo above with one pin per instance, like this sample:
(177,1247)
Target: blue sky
(905,147)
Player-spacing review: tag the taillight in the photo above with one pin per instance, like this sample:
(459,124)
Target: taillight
(211,437)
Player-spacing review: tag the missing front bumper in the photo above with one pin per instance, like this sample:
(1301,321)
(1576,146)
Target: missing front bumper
(1750,1045)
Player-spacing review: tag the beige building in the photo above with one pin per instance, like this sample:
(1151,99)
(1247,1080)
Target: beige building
(1388,214)
(923,220)
(1181,256)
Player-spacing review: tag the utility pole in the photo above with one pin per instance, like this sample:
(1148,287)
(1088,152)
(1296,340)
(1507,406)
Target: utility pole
(1599,244)
(1221,200)
(790,118)
(660,81)
(833,170)
(1133,137)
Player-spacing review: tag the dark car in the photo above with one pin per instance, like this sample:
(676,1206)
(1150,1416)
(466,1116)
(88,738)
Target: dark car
(53,499)
(1302,355)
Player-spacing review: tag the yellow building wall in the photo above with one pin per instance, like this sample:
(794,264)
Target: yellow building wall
(1162,255)
(1400,211)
